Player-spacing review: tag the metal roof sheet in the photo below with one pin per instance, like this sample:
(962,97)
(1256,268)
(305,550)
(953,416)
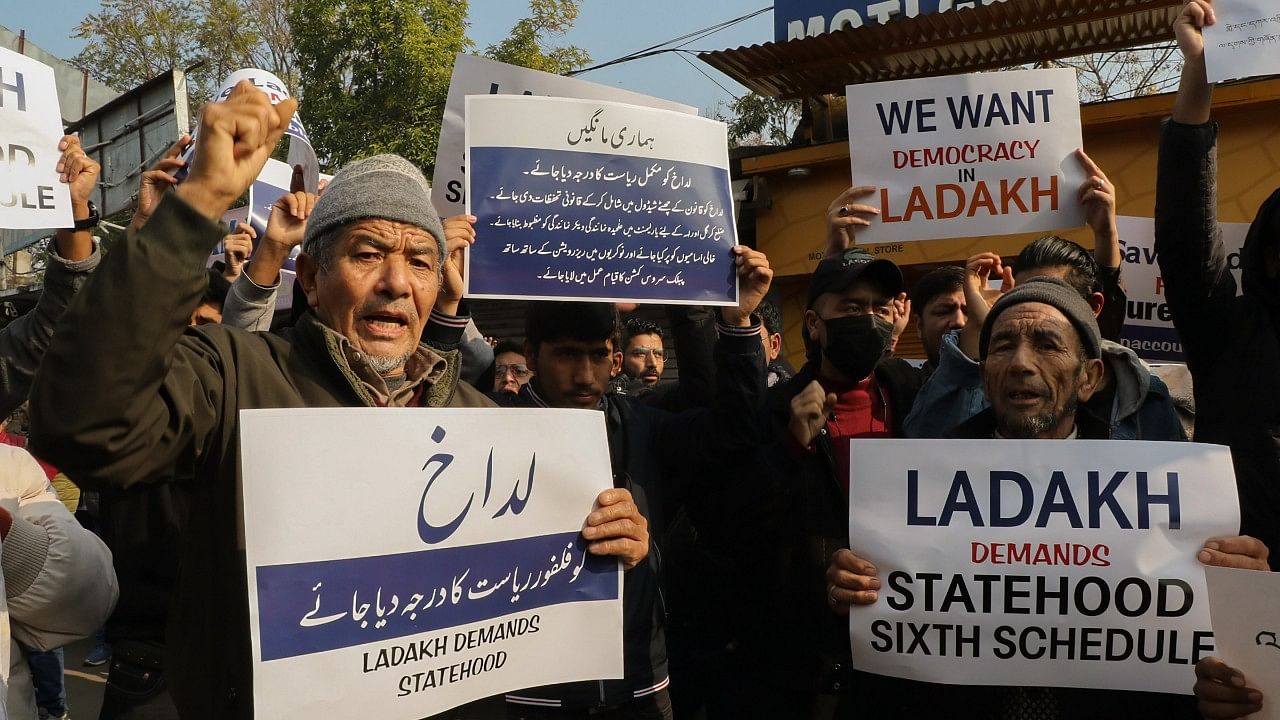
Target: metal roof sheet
(990,37)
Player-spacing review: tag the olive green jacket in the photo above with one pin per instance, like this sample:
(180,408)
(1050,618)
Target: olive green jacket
(128,394)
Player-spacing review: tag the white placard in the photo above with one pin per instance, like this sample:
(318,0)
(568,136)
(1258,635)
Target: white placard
(967,155)
(1063,563)
(1148,325)
(32,197)
(598,201)
(406,561)
(481,76)
(1246,622)
(1245,40)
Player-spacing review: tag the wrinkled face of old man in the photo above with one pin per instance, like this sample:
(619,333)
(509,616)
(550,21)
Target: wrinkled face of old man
(375,284)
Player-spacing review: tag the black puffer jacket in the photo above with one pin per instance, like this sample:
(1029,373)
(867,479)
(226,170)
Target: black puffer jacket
(664,458)
(1232,344)
(791,644)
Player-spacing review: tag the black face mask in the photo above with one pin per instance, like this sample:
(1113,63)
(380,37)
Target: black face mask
(856,343)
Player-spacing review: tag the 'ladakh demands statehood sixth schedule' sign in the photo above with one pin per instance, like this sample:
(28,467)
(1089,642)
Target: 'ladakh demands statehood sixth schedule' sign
(1064,563)
(446,567)
(599,201)
(968,155)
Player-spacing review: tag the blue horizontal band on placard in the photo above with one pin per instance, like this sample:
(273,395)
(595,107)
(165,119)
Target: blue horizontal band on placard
(1152,343)
(493,271)
(287,594)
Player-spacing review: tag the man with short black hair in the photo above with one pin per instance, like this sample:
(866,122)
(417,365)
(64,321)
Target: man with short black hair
(939,307)
(666,459)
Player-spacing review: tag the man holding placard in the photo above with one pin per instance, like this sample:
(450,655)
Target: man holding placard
(1076,614)
(161,404)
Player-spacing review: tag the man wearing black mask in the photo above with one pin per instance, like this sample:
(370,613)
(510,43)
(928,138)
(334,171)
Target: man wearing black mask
(793,532)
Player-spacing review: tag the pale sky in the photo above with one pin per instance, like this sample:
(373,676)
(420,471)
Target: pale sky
(606,28)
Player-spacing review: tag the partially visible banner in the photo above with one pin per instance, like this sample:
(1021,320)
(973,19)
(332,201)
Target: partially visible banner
(300,150)
(592,200)
(402,562)
(32,197)
(480,76)
(1245,40)
(1246,622)
(1148,325)
(794,19)
(1062,563)
(968,155)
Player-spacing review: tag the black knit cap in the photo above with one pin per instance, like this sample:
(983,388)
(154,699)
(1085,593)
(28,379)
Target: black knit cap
(838,272)
(1056,293)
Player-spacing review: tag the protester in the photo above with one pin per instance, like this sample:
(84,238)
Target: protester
(642,353)
(161,405)
(57,579)
(1041,356)
(791,655)
(237,246)
(777,369)
(666,458)
(209,311)
(1131,401)
(1231,342)
(511,371)
(938,299)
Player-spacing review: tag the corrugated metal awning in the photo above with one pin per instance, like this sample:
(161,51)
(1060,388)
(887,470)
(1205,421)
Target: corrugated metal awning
(995,36)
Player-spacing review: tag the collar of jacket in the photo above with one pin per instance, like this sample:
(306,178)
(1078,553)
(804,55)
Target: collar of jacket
(440,381)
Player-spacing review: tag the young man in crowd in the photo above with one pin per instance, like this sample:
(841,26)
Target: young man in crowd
(1041,339)
(790,654)
(1132,401)
(510,371)
(641,354)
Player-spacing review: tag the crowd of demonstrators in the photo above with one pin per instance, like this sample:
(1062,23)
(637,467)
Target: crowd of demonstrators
(729,505)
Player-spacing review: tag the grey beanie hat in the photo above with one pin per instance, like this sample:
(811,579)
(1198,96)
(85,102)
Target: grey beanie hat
(1054,292)
(382,186)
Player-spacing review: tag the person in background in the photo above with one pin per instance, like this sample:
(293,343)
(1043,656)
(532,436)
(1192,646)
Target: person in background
(511,371)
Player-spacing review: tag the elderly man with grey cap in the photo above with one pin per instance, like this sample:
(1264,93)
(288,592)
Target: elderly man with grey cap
(129,395)
(1041,356)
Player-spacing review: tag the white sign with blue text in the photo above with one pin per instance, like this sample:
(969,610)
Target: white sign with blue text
(32,196)
(1063,563)
(402,562)
(481,76)
(598,201)
(967,155)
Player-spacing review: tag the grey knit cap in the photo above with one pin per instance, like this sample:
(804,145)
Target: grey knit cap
(383,186)
(1054,292)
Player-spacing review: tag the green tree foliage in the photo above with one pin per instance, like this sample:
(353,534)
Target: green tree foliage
(760,120)
(132,41)
(376,74)
(529,43)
